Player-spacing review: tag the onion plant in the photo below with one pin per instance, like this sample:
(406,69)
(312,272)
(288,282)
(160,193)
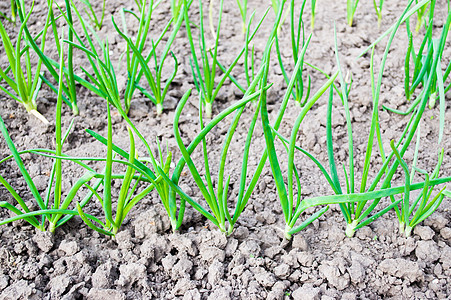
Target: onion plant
(355,213)
(422,14)
(13,13)
(423,205)
(176,7)
(292,209)
(158,173)
(128,195)
(128,198)
(353,203)
(313,13)
(286,193)
(351,7)
(56,212)
(378,9)
(103,81)
(24,85)
(242,6)
(216,197)
(204,78)
(422,69)
(97,21)
(69,95)
(297,35)
(136,59)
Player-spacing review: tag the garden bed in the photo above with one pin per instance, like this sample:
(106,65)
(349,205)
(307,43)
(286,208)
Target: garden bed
(146,260)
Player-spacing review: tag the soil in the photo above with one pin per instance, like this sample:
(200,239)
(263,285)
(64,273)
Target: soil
(146,260)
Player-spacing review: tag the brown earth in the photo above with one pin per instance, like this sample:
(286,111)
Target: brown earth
(147,261)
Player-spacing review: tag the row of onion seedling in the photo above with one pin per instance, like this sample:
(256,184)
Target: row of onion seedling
(149,172)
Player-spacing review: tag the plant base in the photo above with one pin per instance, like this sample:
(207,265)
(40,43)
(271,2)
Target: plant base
(159,108)
(230,230)
(208,109)
(174,226)
(75,110)
(408,231)
(40,117)
(402,227)
(287,232)
(52,227)
(350,228)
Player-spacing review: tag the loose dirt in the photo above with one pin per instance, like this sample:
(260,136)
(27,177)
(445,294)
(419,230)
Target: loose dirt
(146,260)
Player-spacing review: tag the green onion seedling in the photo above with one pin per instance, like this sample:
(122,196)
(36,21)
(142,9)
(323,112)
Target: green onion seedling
(423,205)
(242,5)
(69,89)
(204,78)
(97,21)
(13,13)
(168,189)
(176,7)
(360,211)
(103,83)
(128,195)
(219,212)
(145,173)
(217,197)
(297,34)
(352,204)
(103,80)
(291,210)
(135,59)
(378,9)
(351,7)
(422,69)
(313,13)
(25,87)
(421,15)
(57,213)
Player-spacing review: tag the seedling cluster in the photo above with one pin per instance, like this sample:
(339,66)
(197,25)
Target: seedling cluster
(360,202)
